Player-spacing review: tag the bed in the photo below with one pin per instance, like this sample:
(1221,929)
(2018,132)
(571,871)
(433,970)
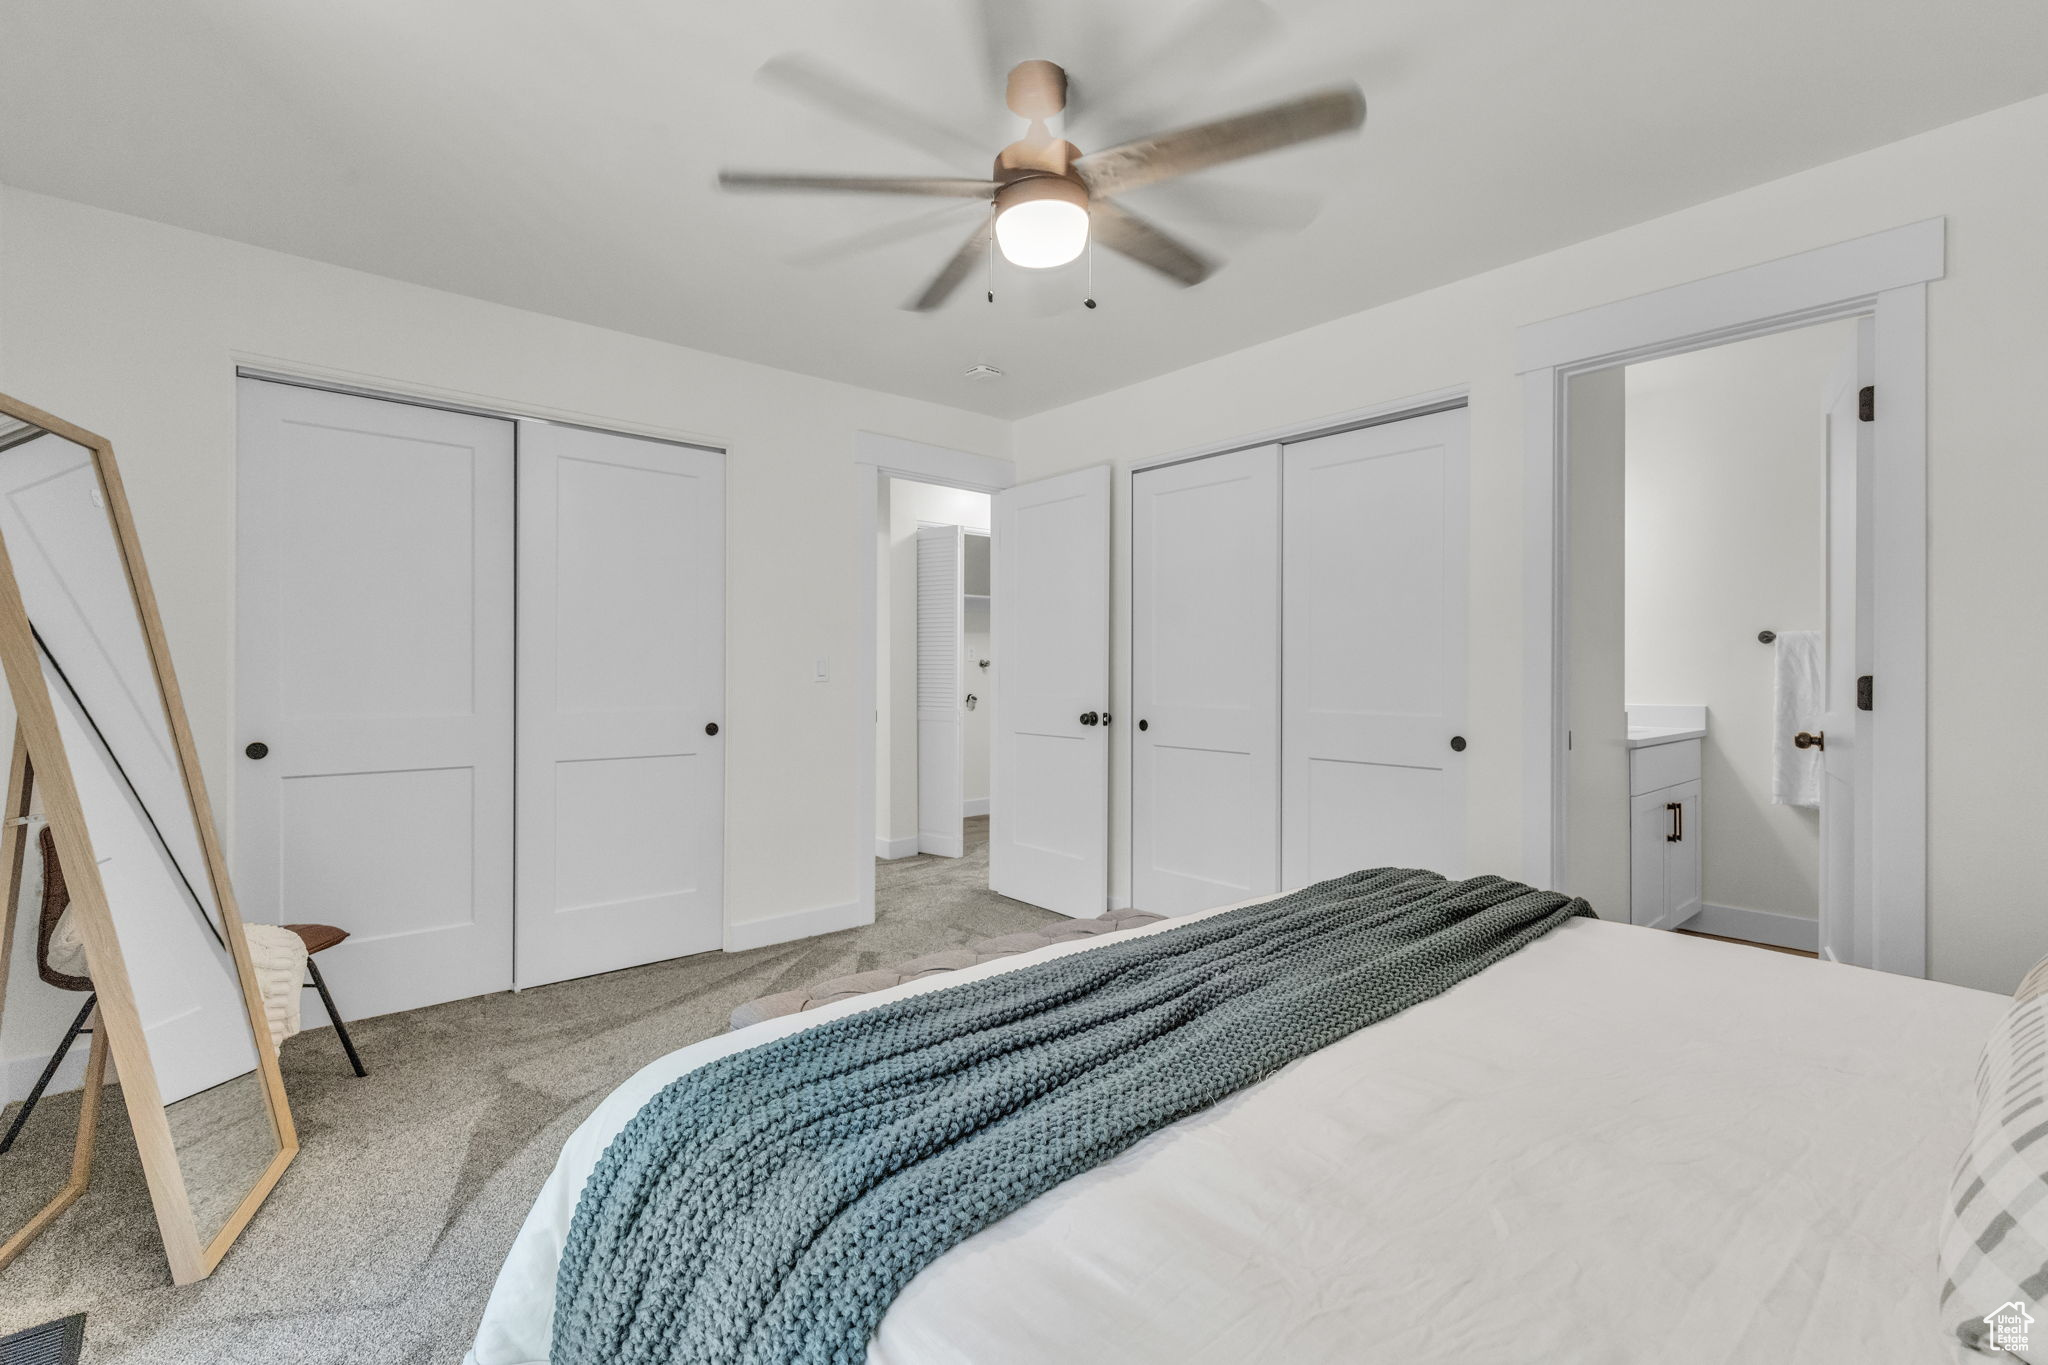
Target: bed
(1615,1145)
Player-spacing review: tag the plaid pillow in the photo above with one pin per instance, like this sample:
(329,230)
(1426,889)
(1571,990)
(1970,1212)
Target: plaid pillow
(1994,1234)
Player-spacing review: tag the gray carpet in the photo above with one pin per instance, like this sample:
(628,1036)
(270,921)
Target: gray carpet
(381,1242)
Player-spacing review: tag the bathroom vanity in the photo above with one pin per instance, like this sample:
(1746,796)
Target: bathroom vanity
(1664,813)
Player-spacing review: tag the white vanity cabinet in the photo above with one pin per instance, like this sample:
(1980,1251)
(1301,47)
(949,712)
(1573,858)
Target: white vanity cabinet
(1664,829)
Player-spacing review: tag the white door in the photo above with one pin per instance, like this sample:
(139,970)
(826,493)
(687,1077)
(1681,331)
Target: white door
(621,838)
(1205,681)
(1373,666)
(374,644)
(941,632)
(1846,800)
(1049,776)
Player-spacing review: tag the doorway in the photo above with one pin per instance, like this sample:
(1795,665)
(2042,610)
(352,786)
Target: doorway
(1566,362)
(1715,586)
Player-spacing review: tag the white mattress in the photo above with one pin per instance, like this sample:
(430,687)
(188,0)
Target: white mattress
(1618,1145)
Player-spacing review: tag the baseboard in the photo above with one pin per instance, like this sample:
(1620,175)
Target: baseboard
(888,850)
(1774,927)
(795,924)
(973,806)
(18,1074)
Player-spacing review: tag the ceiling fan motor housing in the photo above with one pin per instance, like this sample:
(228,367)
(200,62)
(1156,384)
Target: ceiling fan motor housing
(1031,186)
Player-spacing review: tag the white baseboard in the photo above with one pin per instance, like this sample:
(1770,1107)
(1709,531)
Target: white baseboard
(18,1074)
(796,924)
(973,806)
(888,850)
(1774,927)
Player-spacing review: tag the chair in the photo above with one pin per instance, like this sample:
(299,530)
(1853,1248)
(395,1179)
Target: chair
(56,899)
(318,938)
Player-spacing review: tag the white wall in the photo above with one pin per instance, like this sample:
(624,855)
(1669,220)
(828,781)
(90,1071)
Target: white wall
(1987,482)
(1726,476)
(907,505)
(133,330)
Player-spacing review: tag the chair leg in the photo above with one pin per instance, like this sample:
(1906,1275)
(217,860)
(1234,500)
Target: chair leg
(49,1072)
(340,1029)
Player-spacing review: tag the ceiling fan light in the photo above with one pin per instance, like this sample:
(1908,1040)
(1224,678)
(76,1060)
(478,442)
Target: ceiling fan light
(1042,221)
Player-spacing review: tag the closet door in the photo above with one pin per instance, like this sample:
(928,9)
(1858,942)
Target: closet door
(1205,681)
(621,698)
(374,689)
(1049,777)
(1373,665)
(941,629)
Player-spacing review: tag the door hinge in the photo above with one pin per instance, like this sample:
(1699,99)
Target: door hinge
(1866,403)
(1863,693)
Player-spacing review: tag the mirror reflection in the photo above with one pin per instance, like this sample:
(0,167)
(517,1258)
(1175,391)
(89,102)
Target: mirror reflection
(96,662)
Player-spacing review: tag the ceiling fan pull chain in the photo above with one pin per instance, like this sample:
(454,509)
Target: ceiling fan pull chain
(988,261)
(1090,300)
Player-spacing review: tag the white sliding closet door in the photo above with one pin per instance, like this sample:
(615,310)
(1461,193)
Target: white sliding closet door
(374,677)
(1049,776)
(1373,667)
(1205,681)
(621,694)
(941,722)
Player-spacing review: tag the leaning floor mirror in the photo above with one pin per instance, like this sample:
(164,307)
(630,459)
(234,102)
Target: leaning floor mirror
(119,915)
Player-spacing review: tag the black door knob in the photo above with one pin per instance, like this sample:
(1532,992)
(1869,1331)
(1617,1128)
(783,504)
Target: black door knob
(1457,744)
(257,750)
(1105,717)
(712,728)
(1144,725)
(1089,718)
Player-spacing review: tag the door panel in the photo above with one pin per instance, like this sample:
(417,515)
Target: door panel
(1205,681)
(1846,803)
(941,628)
(1374,649)
(1682,856)
(621,669)
(375,660)
(1049,798)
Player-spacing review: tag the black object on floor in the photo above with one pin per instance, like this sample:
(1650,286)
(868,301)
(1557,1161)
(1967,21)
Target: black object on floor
(53,1343)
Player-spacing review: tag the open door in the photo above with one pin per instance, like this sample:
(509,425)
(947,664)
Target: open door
(941,722)
(1846,800)
(1049,777)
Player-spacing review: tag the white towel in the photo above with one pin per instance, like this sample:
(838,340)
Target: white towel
(1795,772)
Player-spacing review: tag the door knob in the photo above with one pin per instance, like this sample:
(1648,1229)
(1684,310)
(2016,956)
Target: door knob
(1804,740)
(258,750)
(1089,718)
(1457,744)
(1144,725)
(712,728)
(1105,717)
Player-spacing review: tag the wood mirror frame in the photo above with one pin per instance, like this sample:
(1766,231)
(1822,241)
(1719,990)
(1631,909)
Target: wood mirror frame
(39,757)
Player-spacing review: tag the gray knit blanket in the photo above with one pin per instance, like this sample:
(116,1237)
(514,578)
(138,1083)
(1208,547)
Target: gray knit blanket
(769,1206)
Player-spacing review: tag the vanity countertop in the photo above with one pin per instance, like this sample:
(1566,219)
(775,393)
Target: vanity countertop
(1643,736)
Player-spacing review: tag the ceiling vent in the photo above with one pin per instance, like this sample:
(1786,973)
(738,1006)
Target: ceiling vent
(983,372)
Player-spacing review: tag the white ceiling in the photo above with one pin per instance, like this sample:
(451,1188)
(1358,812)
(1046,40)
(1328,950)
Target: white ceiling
(560,157)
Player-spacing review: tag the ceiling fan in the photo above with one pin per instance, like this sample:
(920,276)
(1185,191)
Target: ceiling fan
(1048,199)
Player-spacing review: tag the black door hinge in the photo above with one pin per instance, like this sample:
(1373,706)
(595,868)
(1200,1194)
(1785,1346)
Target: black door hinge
(1863,694)
(1866,403)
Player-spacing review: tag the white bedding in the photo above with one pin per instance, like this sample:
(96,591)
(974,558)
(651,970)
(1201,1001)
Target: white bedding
(1618,1145)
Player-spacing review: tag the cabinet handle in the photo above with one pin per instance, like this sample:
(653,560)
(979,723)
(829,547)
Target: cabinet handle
(1677,809)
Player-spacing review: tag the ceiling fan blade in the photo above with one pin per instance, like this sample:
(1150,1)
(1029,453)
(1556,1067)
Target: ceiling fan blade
(946,216)
(1242,207)
(1211,38)
(1123,231)
(1148,160)
(836,94)
(944,186)
(973,250)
